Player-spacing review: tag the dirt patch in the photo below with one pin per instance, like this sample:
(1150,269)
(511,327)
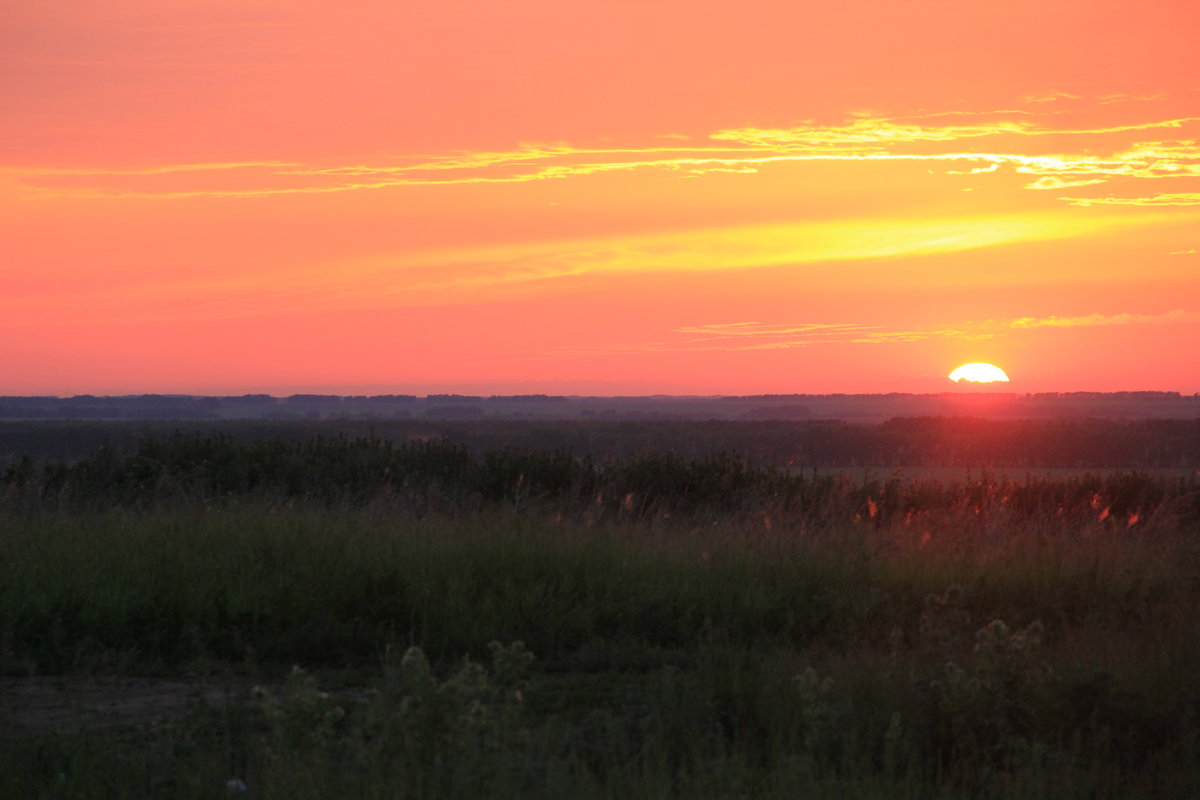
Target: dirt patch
(44,705)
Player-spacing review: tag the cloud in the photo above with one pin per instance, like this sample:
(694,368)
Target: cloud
(976,144)
(772,335)
(1119,97)
(764,336)
(864,135)
(1102,320)
(1144,160)
(756,329)
(1051,182)
(904,337)
(875,132)
(1166,199)
(1050,97)
(420,276)
(731,248)
(736,336)
(408,278)
(747,336)
(992,167)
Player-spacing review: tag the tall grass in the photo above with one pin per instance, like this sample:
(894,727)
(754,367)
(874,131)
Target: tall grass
(698,629)
(444,478)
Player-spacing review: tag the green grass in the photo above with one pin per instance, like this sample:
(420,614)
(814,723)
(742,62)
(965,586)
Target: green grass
(666,659)
(781,637)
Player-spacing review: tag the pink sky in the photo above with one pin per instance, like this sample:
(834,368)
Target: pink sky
(585,197)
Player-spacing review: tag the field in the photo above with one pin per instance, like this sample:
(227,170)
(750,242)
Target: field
(979,401)
(991,609)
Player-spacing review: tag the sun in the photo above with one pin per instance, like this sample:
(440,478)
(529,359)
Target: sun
(978,372)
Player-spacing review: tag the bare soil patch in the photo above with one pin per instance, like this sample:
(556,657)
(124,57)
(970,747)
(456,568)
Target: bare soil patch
(46,705)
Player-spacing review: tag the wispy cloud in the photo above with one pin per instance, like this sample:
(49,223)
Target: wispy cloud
(1095,320)
(735,336)
(879,132)
(903,336)
(863,135)
(760,329)
(765,336)
(975,143)
(1164,199)
(748,336)
(407,278)
(727,248)
(1050,97)
(1120,97)
(1051,182)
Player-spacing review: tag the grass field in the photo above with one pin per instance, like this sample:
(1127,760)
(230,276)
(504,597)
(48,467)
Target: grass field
(361,620)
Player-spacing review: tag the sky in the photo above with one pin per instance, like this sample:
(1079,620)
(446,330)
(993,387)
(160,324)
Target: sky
(585,197)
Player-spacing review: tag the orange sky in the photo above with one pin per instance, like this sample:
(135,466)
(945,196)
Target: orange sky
(210,196)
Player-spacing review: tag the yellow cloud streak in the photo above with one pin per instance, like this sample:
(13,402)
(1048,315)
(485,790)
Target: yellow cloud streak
(1095,320)
(690,166)
(768,329)
(1052,182)
(741,336)
(772,245)
(732,336)
(420,274)
(463,274)
(884,130)
(1122,165)
(866,138)
(1168,199)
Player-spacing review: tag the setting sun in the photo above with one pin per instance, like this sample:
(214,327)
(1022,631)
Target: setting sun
(978,372)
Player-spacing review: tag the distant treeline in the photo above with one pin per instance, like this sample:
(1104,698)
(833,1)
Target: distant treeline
(1142,395)
(160,406)
(92,407)
(1128,405)
(901,442)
